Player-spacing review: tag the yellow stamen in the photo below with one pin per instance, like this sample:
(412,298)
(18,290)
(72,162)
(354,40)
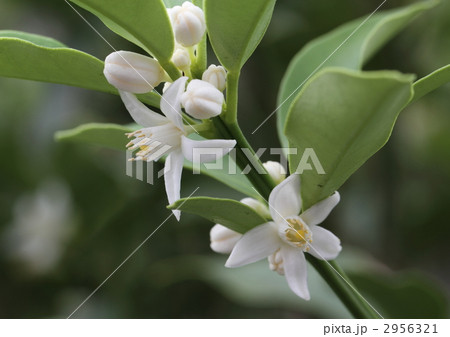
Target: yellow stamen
(298,234)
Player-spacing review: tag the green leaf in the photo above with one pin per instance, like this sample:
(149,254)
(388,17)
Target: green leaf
(113,136)
(236,27)
(23,59)
(345,117)
(39,40)
(237,181)
(107,135)
(143,22)
(230,213)
(38,58)
(431,82)
(348,46)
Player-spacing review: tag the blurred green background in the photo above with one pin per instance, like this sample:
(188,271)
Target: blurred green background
(69,214)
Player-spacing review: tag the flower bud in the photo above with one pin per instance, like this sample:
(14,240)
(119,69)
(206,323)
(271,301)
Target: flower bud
(257,206)
(215,75)
(181,58)
(202,100)
(223,239)
(188,22)
(276,171)
(133,72)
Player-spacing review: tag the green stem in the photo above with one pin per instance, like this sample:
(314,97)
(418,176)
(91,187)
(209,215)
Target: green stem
(199,66)
(230,115)
(257,175)
(228,126)
(171,69)
(188,119)
(343,288)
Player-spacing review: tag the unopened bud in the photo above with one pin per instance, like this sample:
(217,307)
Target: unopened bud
(223,239)
(181,58)
(257,206)
(276,171)
(133,72)
(202,100)
(216,75)
(188,22)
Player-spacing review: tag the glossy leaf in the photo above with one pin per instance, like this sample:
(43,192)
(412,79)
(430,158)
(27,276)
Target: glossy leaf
(348,46)
(113,136)
(143,22)
(106,135)
(230,213)
(39,40)
(236,27)
(345,117)
(431,82)
(38,58)
(237,181)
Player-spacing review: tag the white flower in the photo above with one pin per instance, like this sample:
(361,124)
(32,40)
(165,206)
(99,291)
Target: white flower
(223,239)
(216,75)
(289,236)
(202,100)
(276,171)
(181,58)
(188,23)
(133,72)
(167,134)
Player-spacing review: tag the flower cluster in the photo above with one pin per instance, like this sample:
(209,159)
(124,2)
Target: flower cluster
(168,134)
(288,232)
(285,239)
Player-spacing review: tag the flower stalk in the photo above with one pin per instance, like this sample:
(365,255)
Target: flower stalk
(200,63)
(171,69)
(263,183)
(339,282)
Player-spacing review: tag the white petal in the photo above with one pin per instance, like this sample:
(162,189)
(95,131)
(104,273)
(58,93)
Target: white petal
(223,239)
(172,178)
(139,112)
(317,213)
(204,151)
(294,264)
(285,200)
(325,245)
(255,245)
(171,102)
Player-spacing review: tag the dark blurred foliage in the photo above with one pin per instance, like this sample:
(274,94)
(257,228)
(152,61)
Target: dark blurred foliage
(395,207)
